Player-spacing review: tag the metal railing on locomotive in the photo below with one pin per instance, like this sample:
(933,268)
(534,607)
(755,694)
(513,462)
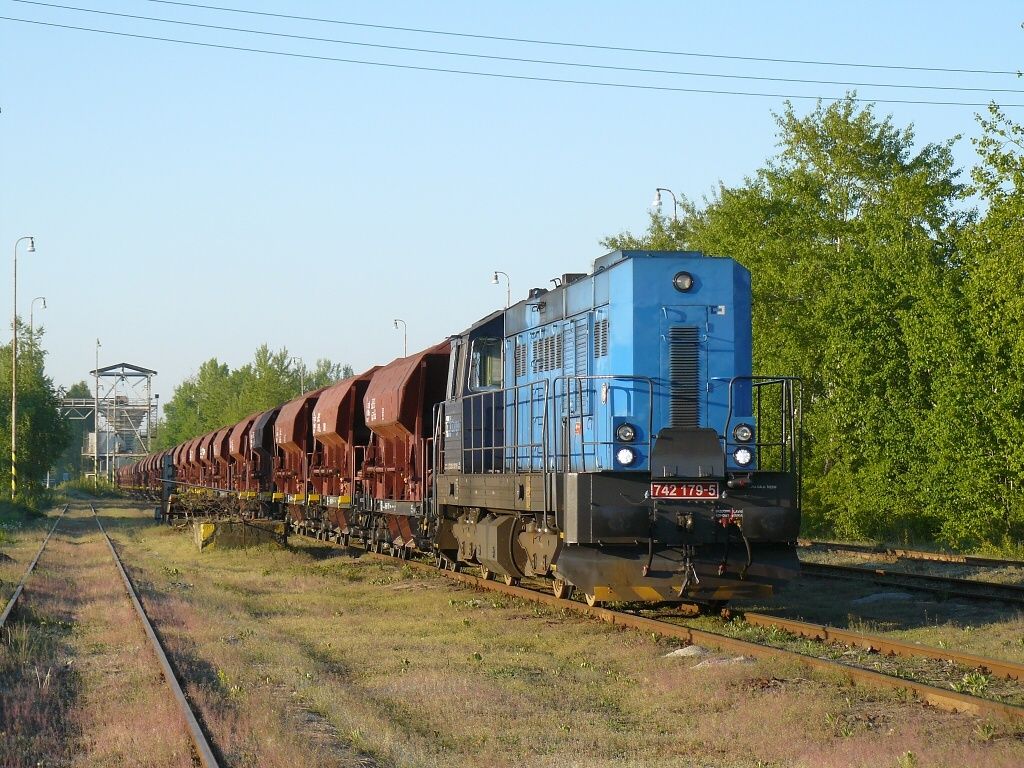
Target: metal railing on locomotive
(558,426)
(506,455)
(777,447)
(578,399)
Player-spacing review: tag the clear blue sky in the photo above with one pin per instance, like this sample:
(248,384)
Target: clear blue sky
(191,202)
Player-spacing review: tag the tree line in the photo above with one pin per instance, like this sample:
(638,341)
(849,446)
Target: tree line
(42,433)
(217,396)
(891,283)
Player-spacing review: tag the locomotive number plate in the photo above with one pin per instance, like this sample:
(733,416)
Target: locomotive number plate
(690,490)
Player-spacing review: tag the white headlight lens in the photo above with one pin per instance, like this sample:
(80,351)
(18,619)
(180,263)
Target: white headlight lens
(626,433)
(683,281)
(625,456)
(742,433)
(743,456)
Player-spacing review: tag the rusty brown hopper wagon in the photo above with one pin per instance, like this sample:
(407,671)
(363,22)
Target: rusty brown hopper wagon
(341,434)
(238,449)
(293,441)
(398,409)
(221,458)
(261,449)
(204,456)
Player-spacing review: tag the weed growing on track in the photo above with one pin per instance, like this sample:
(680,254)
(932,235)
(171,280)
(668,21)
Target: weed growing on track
(37,686)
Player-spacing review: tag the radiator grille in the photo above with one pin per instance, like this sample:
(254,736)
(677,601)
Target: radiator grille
(601,338)
(684,377)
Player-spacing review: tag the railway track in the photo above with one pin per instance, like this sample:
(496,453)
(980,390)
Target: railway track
(942,585)
(203,753)
(941,698)
(869,550)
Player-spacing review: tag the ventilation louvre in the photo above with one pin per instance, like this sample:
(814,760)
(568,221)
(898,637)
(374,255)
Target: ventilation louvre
(547,353)
(684,377)
(520,354)
(601,338)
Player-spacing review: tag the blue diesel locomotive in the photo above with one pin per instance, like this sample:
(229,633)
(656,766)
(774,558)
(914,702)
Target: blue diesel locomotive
(609,433)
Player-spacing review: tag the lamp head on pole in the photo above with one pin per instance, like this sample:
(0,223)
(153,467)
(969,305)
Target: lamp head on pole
(44,302)
(656,205)
(494,280)
(31,245)
(395,324)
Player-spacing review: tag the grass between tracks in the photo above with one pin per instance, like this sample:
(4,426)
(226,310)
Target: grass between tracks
(983,627)
(308,656)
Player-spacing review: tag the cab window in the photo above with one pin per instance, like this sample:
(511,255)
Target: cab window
(485,365)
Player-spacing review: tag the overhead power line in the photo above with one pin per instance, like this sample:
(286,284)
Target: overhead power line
(518,60)
(592,46)
(496,75)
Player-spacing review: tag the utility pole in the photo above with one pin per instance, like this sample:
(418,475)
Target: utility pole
(96,423)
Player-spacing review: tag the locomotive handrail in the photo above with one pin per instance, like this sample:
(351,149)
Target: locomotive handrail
(505,454)
(579,379)
(789,414)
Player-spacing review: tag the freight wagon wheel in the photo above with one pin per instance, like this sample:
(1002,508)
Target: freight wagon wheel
(485,574)
(561,589)
(511,581)
(591,599)
(454,566)
(439,562)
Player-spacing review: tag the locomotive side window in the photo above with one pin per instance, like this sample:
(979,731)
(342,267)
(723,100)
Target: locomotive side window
(485,364)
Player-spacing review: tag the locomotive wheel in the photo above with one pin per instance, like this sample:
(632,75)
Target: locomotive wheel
(439,562)
(511,581)
(561,589)
(454,565)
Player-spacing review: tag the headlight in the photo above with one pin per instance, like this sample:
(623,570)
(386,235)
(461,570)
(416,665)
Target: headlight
(743,433)
(626,433)
(625,456)
(743,456)
(683,281)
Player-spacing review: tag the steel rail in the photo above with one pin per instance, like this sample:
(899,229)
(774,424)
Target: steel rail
(968,588)
(938,697)
(884,645)
(914,554)
(203,749)
(31,566)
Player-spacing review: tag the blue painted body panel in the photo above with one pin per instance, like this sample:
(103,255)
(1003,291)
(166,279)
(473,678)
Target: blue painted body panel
(616,323)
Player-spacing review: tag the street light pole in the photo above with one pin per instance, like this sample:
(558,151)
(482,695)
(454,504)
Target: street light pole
(96,423)
(508,286)
(14,368)
(31,320)
(656,205)
(405,336)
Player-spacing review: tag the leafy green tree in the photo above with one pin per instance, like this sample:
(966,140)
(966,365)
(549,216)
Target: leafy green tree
(983,401)
(216,395)
(850,235)
(70,461)
(42,433)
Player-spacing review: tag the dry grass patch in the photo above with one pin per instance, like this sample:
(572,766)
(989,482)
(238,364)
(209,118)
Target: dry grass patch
(80,684)
(303,653)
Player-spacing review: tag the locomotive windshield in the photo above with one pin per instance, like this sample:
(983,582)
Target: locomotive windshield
(485,364)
